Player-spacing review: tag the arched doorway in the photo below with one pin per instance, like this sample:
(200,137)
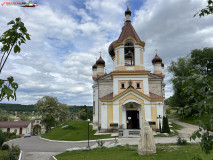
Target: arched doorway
(132,112)
(37,130)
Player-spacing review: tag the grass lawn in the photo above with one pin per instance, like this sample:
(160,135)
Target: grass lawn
(164,152)
(79,132)
(174,127)
(2,153)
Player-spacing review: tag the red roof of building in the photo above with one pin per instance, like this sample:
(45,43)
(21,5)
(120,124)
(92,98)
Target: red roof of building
(154,96)
(108,96)
(14,124)
(128,31)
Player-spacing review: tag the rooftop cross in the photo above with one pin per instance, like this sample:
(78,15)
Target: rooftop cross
(100,53)
(156,51)
(127,3)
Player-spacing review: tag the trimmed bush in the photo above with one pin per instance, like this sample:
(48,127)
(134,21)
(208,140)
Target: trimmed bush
(165,128)
(5,147)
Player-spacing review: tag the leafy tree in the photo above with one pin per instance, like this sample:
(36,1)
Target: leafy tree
(51,111)
(180,70)
(82,114)
(64,112)
(196,90)
(11,40)
(206,11)
(3,115)
(48,108)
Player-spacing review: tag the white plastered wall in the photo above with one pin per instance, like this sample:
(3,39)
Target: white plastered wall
(103,116)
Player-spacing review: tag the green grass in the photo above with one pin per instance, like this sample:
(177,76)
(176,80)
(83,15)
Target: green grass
(175,127)
(164,152)
(2,154)
(78,133)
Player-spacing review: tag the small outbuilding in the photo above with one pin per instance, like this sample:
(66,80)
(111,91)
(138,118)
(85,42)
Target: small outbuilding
(19,127)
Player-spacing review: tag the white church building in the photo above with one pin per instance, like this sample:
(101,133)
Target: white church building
(130,94)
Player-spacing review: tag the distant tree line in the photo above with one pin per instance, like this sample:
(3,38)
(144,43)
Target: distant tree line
(31,107)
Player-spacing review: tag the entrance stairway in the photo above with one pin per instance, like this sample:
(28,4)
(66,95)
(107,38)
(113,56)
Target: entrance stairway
(131,133)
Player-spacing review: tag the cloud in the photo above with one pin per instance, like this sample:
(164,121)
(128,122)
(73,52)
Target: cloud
(66,37)
(172,28)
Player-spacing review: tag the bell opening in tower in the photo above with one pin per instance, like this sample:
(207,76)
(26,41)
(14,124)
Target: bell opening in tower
(129,54)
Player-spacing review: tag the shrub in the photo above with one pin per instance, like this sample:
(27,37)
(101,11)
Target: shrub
(3,137)
(181,141)
(5,147)
(13,153)
(165,128)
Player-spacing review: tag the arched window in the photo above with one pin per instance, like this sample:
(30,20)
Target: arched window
(129,54)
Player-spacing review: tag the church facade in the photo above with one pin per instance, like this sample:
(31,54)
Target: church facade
(130,94)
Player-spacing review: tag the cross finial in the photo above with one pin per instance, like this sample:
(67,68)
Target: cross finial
(127,3)
(156,50)
(100,53)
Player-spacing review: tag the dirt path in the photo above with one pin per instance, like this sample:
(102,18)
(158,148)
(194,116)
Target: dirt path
(188,129)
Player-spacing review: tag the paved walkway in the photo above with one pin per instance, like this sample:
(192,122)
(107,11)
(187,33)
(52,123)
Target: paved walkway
(35,148)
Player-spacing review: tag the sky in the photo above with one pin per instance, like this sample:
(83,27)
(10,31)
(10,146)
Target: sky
(67,36)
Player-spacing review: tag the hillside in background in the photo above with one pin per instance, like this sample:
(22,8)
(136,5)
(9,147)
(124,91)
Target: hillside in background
(30,108)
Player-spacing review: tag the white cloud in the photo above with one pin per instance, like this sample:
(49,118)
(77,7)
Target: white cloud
(65,42)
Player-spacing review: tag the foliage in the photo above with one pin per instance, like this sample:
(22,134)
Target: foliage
(165,128)
(63,113)
(181,141)
(5,147)
(11,40)
(85,113)
(3,115)
(8,88)
(3,138)
(79,132)
(13,153)
(206,11)
(52,111)
(196,90)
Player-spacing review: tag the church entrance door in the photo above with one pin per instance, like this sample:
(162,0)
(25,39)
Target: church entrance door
(132,119)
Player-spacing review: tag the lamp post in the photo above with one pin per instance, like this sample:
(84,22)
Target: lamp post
(88,147)
(159,118)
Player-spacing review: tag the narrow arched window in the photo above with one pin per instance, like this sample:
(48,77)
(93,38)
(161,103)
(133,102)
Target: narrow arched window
(129,54)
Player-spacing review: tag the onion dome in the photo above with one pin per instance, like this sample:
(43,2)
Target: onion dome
(157,59)
(162,65)
(111,49)
(100,61)
(128,11)
(94,66)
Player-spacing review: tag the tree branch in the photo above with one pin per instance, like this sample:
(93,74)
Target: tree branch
(2,58)
(6,57)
